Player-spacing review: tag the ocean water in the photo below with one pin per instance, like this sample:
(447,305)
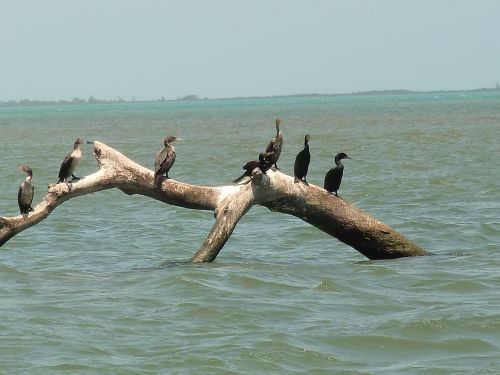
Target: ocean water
(102,286)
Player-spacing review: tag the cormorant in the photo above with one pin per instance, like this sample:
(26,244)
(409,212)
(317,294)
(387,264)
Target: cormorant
(26,191)
(302,161)
(334,176)
(164,160)
(70,162)
(263,163)
(276,144)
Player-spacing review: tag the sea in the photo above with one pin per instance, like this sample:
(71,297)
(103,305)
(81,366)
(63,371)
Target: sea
(104,285)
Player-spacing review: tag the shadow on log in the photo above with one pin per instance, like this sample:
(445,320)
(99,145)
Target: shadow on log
(274,190)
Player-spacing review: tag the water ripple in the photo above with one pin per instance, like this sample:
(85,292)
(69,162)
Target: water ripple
(103,284)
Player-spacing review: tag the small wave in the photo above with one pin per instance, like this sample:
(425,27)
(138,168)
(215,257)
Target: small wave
(11,272)
(68,367)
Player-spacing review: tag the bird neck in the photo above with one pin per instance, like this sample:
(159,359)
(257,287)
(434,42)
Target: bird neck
(279,138)
(338,162)
(28,178)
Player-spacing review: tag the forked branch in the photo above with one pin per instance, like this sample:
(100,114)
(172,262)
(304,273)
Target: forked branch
(275,190)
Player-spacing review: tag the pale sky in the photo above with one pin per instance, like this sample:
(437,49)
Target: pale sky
(147,49)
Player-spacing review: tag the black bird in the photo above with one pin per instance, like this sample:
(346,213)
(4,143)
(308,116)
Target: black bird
(275,145)
(26,191)
(302,161)
(70,162)
(334,176)
(164,160)
(263,163)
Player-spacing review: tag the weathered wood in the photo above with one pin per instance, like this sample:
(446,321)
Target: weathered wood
(346,222)
(227,214)
(275,190)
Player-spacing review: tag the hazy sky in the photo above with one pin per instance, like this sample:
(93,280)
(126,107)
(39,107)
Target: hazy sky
(60,49)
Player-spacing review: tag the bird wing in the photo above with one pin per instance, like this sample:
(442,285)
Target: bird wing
(333,178)
(328,179)
(22,198)
(302,161)
(165,160)
(169,160)
(251,165)
(65,165)
(300,156)
(160,158)
(270,145)
(275,146)
(303,157)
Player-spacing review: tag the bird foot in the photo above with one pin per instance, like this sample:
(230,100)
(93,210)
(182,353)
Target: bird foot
(296,180)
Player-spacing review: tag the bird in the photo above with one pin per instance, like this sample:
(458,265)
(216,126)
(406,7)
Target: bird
(275,145)
(70,162)
(26,191)
(263,164)
(165,158)
(334,176)
(302,161)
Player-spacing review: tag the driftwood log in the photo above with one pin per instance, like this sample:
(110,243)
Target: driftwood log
(274,190)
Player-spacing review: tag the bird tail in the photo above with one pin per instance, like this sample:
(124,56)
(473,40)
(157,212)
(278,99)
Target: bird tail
(26,210)
(239,178)
(158,180)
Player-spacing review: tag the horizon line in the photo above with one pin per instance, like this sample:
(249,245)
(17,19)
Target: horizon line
(195,97)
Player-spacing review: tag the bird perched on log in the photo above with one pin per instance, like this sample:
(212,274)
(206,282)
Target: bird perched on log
(70,162)
(164,160)
(333,177)
(264,164)
(276,144)
(26,191)
(302,161)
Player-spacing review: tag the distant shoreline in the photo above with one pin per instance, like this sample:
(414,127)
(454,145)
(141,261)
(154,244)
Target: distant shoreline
(91,100)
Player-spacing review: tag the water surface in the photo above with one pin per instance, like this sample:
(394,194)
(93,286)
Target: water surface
(102,285)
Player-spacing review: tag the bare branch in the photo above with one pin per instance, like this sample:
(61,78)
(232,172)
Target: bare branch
(346,222)
(115,171)
(275,190)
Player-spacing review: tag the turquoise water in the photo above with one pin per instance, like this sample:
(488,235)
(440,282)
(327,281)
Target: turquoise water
(102,285)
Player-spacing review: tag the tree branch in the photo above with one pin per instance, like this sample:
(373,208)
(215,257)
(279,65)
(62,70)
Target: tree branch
(275,190)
